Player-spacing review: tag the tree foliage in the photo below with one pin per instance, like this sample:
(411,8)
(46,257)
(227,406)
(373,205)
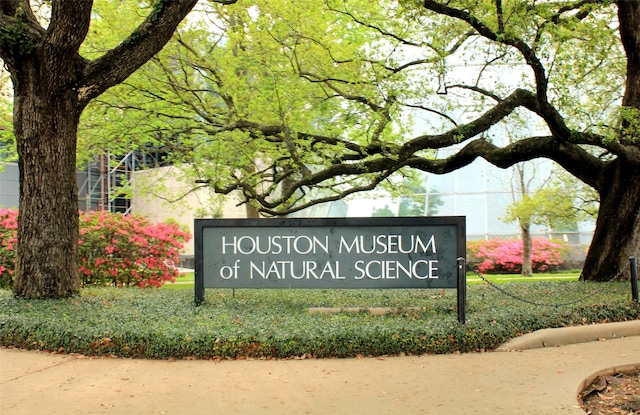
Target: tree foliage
(342,89)
(301,102)
(558,205)
(294,103)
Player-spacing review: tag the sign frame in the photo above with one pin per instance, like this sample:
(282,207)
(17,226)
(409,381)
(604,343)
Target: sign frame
(450,225)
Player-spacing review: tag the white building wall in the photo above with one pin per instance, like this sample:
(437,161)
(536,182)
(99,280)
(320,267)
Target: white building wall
(9,185)
(155,202)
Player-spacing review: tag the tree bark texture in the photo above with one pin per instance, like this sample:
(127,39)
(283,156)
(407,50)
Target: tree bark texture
(617,233)
(527,244)
(48,219)
(629,16)
(46,115)
(52,85)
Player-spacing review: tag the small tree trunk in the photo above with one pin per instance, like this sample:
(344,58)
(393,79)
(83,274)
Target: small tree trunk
(525,230)
(617,233)
(46,126)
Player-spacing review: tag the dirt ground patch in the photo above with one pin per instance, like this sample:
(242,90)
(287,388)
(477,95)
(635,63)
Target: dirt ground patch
(618,393)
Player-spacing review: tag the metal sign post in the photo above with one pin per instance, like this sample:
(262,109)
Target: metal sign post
(634,278)
(462,290)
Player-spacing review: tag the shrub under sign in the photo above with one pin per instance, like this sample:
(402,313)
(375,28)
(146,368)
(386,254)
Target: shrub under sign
(417,252)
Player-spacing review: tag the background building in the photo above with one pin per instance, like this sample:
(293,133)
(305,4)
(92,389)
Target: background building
(481,192)
(9,185)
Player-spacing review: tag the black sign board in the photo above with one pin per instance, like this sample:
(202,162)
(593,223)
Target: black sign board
(415,252)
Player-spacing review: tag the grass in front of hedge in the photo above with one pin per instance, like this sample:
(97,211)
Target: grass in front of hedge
(187,276)
(158,323)
(186,280)
(473,278)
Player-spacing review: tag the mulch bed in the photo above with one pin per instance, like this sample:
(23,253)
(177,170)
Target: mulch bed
(617,394)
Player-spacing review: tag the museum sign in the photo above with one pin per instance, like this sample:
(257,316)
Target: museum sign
(409,252)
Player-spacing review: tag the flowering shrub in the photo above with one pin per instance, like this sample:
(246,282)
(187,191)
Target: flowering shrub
(112,249)
(127,250)
(9,239)
(505,255)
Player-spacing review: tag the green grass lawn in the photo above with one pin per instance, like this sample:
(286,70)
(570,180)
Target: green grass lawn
(186,280)
(502,278)
(185,277)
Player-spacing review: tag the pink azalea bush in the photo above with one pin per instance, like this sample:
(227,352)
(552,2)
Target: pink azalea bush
(115,249)
(9,239)
(128,250)
(505,255)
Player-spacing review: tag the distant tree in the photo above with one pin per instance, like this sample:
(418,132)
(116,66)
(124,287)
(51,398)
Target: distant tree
(523,210)
(559,204)
(383,212)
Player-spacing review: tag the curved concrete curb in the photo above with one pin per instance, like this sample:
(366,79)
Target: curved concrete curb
(571,335)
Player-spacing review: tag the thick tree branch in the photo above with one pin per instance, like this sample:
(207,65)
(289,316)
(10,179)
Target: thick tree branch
(573,158)
(66,32)
(287,201)
(20,32)
(145,41)
(557,17)
(484,30)
(629,16)
(69,25)
(18,8)
(519,98)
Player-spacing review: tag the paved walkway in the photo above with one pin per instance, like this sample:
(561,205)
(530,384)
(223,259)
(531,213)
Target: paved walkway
(533,380)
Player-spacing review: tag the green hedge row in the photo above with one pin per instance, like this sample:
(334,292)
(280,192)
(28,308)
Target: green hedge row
(276,323)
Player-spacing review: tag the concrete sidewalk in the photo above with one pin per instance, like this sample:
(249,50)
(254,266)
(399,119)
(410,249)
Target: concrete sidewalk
(536,380)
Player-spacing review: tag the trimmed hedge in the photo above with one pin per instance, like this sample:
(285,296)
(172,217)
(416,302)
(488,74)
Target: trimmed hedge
(276,323)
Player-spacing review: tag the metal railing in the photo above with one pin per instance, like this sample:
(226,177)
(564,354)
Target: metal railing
(631,265)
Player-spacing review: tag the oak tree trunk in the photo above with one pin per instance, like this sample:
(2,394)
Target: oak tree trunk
(52,84)
(617,233)
(46,123)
